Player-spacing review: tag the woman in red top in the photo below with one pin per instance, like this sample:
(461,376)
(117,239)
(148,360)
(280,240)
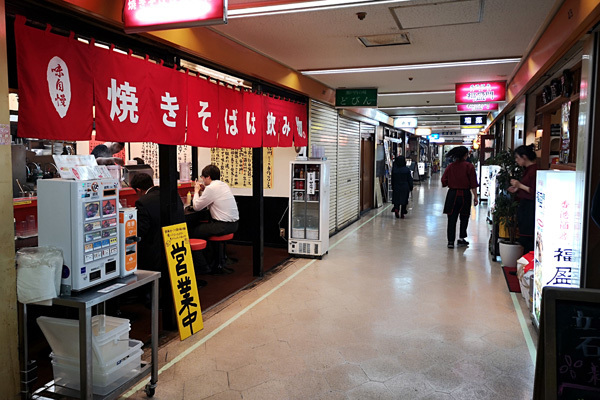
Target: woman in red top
(461,179)
(525,189)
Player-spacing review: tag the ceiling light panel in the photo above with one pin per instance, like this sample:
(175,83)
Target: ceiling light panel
(413,67)
(394,39)
(438,14)
(416,93)
(306,6)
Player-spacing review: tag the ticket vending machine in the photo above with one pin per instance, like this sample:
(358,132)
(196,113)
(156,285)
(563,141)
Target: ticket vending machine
(128,239)
(81,218)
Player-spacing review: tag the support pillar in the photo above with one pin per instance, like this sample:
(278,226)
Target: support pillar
(258,223)
(9,329)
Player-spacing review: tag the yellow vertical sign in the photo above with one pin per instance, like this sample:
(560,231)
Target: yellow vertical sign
(183,280)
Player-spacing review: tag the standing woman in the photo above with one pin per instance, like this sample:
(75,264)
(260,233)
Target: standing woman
(461,179)
(525,190)
(402,185)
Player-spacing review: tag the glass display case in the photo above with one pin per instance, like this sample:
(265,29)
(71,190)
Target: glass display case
(309,208)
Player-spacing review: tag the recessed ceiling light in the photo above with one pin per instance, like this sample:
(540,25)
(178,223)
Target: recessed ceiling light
(415,93)
(409,67)
(297,7)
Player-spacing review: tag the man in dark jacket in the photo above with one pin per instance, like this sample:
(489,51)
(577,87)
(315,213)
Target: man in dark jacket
(151,249)
(402,185)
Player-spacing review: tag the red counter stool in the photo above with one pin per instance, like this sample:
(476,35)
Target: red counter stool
(198,245)
(220,264)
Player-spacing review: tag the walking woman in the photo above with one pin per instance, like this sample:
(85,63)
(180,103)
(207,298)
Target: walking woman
(402,185)
(525,190)
(461,179)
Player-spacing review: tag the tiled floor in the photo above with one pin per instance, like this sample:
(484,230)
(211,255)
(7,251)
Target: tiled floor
(390,313)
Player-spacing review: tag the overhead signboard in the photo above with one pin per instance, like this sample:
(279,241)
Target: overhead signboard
(405,123)
(480,92)
(148,15)
(477,107)
(356,98)
(434,136)
(472,121)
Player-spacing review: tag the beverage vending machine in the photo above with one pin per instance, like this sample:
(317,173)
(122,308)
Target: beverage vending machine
(128,239)
(309,208)
(81,218)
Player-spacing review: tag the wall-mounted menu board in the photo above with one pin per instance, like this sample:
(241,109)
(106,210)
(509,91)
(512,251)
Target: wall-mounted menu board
(568,358)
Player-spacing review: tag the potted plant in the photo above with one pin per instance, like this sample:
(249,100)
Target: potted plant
(505,209)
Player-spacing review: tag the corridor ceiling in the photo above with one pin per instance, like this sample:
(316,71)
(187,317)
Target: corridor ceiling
(438,31)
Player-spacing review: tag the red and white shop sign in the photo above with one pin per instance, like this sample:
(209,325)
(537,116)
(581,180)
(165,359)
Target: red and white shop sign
(480,92)
(271,122)
(230,118)
(476,107)
(123,98)
(203,112)
(55,85)
(252,123)
(168,94)
(285,113)
(149,15)
(300,125)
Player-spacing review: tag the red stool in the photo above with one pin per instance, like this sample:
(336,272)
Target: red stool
(221,241)
(197,244)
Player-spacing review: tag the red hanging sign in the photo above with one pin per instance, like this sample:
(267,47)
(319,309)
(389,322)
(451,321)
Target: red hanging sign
(252,124)
(271,122)
(300,125)
(203,112)
(122,97)
(286,114)
(168,94)
(55,85)
(474,107)
(230,118)
(480,92)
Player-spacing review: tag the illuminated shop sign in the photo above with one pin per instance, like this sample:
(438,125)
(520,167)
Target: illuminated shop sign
(405,123)
(152,15)
(480,92)
(472,121)
(477,107)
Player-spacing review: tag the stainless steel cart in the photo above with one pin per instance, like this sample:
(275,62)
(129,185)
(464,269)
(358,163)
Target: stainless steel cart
(84,302)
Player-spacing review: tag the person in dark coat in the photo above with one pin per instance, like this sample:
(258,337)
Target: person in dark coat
(402,185)
(151,248)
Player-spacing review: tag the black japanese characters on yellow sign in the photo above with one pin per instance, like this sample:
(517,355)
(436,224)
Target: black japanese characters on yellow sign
(236,166)
(183,279)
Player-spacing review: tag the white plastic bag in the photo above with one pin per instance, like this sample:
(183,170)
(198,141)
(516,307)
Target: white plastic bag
(38,274)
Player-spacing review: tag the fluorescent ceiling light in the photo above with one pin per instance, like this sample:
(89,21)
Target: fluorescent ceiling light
(411,67)
(412,107)
(305,6)
(416,93)
(423,131)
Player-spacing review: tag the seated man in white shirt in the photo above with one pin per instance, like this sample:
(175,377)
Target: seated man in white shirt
(216,196)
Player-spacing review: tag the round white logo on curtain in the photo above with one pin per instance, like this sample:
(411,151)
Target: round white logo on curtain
(59,85)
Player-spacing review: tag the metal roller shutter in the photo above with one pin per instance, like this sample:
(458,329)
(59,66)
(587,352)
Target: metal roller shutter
(323,132)
(348,172)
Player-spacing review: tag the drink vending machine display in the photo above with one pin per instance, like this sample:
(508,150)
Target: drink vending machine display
(81,218)
(128,239)
(309,208)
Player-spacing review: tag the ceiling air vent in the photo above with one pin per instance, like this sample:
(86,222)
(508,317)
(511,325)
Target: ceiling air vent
(394,39)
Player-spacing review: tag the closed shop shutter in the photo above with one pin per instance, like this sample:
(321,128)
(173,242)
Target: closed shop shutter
(367,130)
(348,172)
(323,132)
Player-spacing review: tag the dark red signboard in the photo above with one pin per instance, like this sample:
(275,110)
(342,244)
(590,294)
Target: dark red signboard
(477,107)
(480,92)
(56,91)
(203,113)
(151,15)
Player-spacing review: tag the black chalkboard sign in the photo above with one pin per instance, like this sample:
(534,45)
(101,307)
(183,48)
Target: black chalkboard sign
(568,360)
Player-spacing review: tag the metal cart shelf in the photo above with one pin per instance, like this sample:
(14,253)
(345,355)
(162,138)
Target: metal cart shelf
(84,302)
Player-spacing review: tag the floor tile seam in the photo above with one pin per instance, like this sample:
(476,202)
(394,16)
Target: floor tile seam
(524,329)
(203,340)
